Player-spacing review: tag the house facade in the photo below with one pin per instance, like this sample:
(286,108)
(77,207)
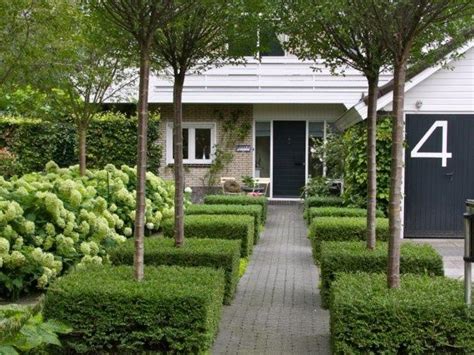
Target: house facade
(267,116)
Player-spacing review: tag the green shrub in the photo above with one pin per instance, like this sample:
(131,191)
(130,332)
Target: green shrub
(338,212)
(34,142)
(426,315)
(354,257)
(244,262)
(224,254)
(238,200)
(23,330)
(174,309)
(343,229)
(355,164)
(252,210)
(321,201)
(54,220)
(216,227)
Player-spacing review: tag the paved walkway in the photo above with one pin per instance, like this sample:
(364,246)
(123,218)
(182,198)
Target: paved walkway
(277,306)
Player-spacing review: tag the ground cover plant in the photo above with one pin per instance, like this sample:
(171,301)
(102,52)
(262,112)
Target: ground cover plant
(426,315)
(23,330)
(54,220)
(217,227)
(338,212)
(342,229)
(252,210)
(178,309)
(353,257)
(215,253)
(238,200)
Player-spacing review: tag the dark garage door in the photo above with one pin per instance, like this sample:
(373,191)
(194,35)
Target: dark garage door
(439,174)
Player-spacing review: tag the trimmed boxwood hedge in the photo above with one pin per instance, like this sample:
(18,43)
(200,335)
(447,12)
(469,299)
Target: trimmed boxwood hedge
(339,212)
(174,309)
(216,227)
(323,201)
(343,229)
(354,257)
(214,253)
(238,200)
(426,315)
(252,210)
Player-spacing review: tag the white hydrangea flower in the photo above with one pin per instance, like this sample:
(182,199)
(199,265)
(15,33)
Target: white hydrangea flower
(188,190)
(4,246)
(127,231)
(150,226)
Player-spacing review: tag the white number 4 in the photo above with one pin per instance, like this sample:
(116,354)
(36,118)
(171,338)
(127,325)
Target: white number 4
(443,155)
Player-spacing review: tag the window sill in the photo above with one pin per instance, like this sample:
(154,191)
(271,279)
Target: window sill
(193,165)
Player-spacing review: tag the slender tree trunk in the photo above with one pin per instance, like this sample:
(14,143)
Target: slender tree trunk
(372,162)
(178,160)
(82,132)
(393,272)
(141,162)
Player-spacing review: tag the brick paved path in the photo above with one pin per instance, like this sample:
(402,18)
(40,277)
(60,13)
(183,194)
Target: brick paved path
(276,309)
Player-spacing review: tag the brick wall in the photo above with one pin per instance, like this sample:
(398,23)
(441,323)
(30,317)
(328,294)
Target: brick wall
(194,174)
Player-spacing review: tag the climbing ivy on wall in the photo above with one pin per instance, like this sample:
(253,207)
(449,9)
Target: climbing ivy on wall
(355,164)
(234,130)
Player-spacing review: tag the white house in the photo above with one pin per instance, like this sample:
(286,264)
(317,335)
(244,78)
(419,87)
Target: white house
(282,102)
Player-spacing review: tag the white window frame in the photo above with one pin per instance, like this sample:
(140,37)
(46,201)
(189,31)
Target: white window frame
(191,126)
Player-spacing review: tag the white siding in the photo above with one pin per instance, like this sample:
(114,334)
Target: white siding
(448,90)
(273,80)
(288,112)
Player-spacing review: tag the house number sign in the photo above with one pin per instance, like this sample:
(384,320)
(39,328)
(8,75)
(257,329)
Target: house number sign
(444,155)
(243,148)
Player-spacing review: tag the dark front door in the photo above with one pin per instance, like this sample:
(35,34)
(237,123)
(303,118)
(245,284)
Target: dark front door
(439,174)
(289,142)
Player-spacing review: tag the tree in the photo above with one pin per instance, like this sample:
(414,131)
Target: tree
(411,29)
(29,30)
(339,32)
(91,71)
(196,40)
(139,20)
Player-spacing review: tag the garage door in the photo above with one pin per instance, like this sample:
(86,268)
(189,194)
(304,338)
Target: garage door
(439,174)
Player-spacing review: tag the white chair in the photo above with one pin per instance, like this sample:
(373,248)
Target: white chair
(263,181)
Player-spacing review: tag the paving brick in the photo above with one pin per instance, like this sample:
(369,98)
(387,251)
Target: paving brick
(277,306)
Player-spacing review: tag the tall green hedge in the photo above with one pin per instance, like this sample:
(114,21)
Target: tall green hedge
(112,138)
(173,310)
(352,257)
(215,253)
(426,315)
(355,165)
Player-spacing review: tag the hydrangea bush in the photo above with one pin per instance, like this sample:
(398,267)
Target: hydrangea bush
(52,221)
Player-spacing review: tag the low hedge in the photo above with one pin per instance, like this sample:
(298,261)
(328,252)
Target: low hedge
(354,257)
(238,200)
(216,227)
(224,254)
(426,315)
(323,201)
(174,309)
(256,211)
(339,212)
(343,229)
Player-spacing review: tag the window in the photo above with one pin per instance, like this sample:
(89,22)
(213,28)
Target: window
(262,149)
(199,140)
(315,146)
